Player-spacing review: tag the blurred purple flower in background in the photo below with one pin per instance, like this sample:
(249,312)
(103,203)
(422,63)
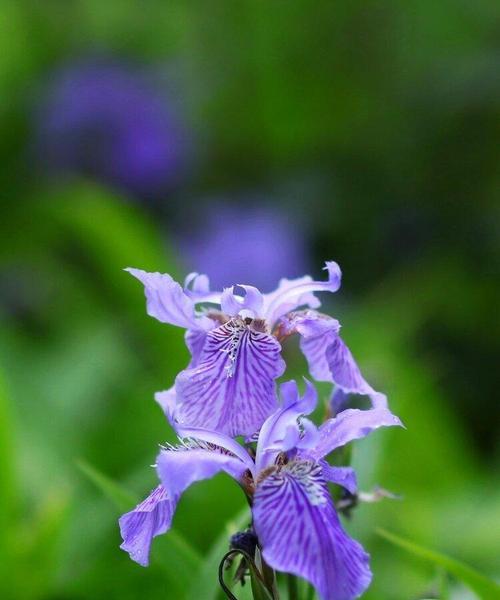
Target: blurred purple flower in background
(104,119)
(256,244)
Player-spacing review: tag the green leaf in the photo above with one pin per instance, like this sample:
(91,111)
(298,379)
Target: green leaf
(206,584)
(171,552)
(120,497)
(485,588)
(7,482)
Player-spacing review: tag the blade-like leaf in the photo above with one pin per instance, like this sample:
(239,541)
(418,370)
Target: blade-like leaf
(120,497)
(206,584)
(485,588)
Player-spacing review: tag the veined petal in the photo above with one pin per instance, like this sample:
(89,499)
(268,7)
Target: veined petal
(168,302)
(351,424)
(328,357)
(234,304)
(344,476)
(179,468)
(300,532)
(317,333)
(152,517)
(294,293)
(195,340)
(345,372)
(277,433)
(231,390)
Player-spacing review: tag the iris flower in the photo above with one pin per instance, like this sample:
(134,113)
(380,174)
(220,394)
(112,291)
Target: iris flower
(234,337)
(285,478)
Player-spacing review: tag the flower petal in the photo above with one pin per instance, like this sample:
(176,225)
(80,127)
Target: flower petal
(152,517)
(179,468)
(233,304)
(345,372)
(351,424)
(328,357)
(294,293)
(281,430)
(231,390)
(300,532)
(217,439)
(344,476)
(197,287)
(168,302)
(167,400)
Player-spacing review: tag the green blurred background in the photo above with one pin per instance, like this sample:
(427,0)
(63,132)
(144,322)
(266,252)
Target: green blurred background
(130,131)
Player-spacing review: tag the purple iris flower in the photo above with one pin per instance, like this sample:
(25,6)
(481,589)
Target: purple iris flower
(285,480)
(229,252)
(234,337)
(102,118)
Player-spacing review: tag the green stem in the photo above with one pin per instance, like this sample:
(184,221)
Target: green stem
(293,591)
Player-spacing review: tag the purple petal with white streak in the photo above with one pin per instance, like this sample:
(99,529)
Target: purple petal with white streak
(231,390)
(300,533)
(150,518)
(292,294)
(351,424)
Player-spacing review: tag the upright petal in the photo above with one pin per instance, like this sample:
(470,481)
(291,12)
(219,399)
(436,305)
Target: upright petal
(351,424)
(231,390)
(300,532)
(197,287)
(234,304)
(178,468)
(168,302)
(281,430)
(152,517)
(292,294)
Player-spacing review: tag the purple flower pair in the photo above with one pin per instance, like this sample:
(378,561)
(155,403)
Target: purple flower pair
(229,390)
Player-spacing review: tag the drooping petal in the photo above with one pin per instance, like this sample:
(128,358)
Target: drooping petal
(179,468)
(281,431)
(317,333)
(351,424)
(328,357)
(344,476)
(292,294)
(345,372)
(168,302)
(300,532)
(234,304)
(152,517)
(231,390)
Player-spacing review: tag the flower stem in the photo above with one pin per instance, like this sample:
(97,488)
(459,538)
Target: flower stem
(293,592)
